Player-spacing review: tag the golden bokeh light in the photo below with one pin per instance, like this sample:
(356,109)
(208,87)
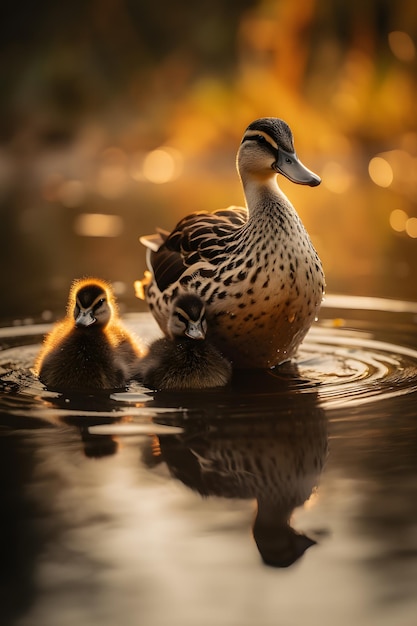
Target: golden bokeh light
(162,165)
(402,46)
(84,138)
(411,227)
(98,225)
(398,219)
(380,172)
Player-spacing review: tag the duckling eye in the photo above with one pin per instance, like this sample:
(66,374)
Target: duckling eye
(182,319)
(99,303)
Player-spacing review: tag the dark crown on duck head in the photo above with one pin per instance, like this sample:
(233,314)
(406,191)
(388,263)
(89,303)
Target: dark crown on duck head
(87,295)
(187,318)
(190,304)
(276,129)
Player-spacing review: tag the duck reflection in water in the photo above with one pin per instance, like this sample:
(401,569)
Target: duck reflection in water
(274,456)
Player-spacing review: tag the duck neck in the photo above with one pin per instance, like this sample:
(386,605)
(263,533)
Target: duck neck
(263,198)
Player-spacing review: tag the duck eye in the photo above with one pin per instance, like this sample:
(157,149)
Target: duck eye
(182,319)
(99,303)
(261,139)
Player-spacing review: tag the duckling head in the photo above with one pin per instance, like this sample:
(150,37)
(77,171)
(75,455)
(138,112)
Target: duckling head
(267,149)
(187,318)
(91,302)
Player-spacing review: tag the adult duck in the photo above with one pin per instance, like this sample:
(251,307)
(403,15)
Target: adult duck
(255,268)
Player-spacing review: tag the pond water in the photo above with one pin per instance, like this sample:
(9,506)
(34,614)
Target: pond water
(288,499)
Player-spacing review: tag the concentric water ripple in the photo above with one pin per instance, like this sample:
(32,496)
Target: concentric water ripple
(352,370)
(342,364)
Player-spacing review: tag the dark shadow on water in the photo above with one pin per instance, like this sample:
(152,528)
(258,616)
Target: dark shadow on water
(260,441)
(22,540)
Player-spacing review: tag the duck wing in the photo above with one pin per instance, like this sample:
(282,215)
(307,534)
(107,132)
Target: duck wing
(199,237)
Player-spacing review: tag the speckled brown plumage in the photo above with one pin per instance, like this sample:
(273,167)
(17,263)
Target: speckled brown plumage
(256,268)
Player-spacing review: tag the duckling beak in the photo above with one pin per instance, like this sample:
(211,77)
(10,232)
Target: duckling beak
(84,319)
(195,331)
(289,165)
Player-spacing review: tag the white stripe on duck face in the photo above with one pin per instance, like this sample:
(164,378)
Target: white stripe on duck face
(252,134)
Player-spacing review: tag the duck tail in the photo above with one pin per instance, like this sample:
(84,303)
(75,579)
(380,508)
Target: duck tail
(155,241)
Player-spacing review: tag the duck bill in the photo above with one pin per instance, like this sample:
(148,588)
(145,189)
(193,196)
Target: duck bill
(291,167)
(84,319)
(195,331)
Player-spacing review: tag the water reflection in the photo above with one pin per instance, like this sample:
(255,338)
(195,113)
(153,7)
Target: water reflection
(111,502)
(275,458)
(93,446)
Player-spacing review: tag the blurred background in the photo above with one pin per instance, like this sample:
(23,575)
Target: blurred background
(118,116)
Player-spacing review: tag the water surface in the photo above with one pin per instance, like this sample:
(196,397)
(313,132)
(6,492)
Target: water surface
(289,498)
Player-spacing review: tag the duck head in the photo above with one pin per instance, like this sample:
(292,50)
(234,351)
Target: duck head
(187,318)
(91,304)
(267,149)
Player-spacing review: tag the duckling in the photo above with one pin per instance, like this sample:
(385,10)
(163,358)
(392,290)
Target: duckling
(184,359)
(255,267)
(90,349)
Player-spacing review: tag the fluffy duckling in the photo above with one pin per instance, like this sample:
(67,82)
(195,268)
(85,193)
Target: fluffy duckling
(90,349)
(184,359)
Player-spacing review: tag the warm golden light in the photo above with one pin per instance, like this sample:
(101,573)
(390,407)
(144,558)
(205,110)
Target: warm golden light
(162,165)
(51,187)
(336,177)
(98,225)
(112,181)
(411,227)
(71,193)
(402,46)
(398,220)
(136,166)
(380,172)
(119,287)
